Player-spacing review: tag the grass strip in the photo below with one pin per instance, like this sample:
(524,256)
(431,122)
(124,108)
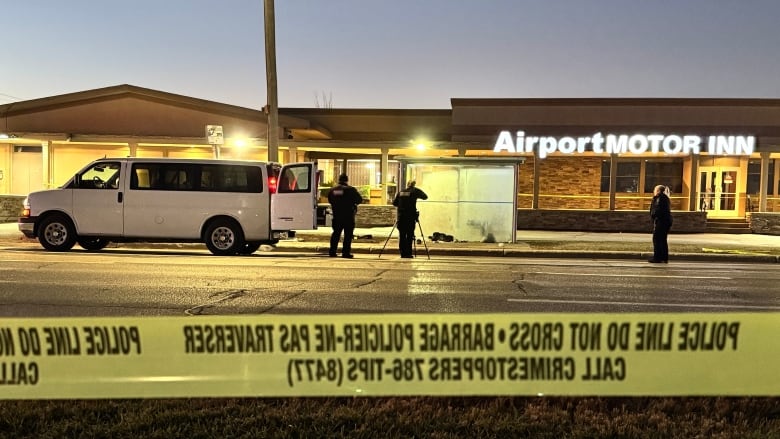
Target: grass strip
(434,417)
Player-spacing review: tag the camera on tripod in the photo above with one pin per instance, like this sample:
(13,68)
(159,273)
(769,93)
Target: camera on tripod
(414,241)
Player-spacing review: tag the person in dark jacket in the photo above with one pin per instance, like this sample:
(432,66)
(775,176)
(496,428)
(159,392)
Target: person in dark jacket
(661,214)
(406,216)
(344,200)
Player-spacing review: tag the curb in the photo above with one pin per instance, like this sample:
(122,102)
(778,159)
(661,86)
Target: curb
(321,248)
(549,254)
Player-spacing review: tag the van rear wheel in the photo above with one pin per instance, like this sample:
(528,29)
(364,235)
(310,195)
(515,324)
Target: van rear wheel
(224,237)
(56,233)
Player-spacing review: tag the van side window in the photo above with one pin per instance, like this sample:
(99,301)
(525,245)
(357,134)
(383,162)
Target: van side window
(139,178)
(103,175)
(145,176)
(196,177)
(178,178)
(231,178)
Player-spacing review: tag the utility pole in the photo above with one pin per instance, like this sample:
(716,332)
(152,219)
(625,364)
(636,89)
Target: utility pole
(270,77)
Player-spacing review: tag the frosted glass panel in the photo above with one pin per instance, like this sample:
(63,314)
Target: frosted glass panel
(471,203)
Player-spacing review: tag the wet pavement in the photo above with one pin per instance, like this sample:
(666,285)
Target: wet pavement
(530,243)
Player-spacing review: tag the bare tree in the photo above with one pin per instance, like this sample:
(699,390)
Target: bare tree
(327,101)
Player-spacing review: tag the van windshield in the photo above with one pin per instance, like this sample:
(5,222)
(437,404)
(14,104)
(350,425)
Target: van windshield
(103,175)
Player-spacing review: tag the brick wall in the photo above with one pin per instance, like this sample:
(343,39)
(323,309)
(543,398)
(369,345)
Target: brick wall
(570,176)
(563,178)
(575,183)
(525,183)
(10,208)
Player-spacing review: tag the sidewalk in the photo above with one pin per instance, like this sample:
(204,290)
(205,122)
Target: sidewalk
(558,244)
(544,244)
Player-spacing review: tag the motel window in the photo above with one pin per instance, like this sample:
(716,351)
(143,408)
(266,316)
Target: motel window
(627,179)
(754,176)
(368,173)
(628,176)
(362,172)
(668,173)
(605,176)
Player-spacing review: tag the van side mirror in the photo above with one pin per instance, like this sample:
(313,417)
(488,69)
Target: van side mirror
(77,181)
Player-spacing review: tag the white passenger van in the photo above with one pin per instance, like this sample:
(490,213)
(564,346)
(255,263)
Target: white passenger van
(231,206)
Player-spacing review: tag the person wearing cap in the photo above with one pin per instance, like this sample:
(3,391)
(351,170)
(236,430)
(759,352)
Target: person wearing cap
(661,215)
(406,216)
(344,200)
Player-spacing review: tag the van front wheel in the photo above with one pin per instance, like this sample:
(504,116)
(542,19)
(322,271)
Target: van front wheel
(224,237)
(56,233)
(92,244)
(249,248)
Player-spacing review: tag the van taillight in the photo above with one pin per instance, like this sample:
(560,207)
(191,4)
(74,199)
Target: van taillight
(272,184)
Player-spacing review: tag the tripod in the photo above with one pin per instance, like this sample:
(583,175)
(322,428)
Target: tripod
(414,241)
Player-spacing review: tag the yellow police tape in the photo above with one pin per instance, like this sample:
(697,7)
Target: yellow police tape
(391,354)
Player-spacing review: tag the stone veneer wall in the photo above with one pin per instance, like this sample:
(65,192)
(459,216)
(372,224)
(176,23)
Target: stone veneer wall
(10,208)
(542,219)
(574,220)
(375,216)
(765,223)
(605,221)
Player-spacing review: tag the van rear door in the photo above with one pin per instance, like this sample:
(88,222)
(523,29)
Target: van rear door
(294,205)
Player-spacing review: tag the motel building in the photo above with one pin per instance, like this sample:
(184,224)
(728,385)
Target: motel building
(492,167)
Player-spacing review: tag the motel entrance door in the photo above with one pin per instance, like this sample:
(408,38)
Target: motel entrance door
(718,191)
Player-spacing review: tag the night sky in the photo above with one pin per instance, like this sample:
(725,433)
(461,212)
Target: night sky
(394,54)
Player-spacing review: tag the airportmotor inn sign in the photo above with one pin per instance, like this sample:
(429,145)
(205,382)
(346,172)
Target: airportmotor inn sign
(632,144)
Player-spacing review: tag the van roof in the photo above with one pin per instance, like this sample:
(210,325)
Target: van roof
(184,160)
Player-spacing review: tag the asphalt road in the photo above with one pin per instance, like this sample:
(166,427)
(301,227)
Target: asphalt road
(130,282)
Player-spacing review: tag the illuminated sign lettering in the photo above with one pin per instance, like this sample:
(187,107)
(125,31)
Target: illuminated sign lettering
(624,144)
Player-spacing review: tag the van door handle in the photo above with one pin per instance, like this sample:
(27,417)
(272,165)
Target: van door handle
(119,197)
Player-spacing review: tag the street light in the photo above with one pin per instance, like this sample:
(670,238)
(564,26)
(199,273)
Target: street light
(270,77)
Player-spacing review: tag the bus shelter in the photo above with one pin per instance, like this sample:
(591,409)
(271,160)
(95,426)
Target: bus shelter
(471,199)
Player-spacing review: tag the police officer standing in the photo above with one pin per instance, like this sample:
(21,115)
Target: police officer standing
(406,202)
(661,215)
(344,200)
